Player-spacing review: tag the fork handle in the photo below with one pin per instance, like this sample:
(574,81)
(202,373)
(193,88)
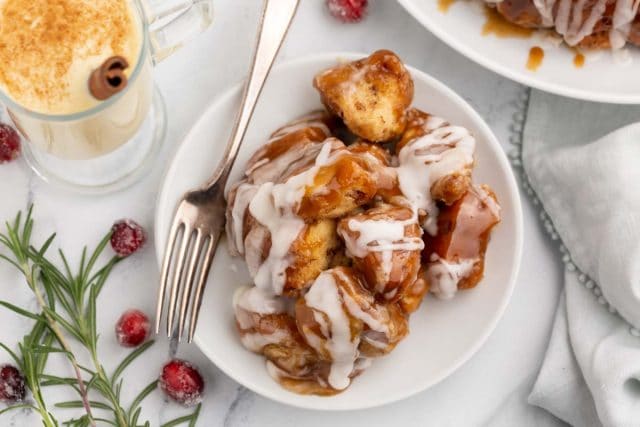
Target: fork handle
(274,24)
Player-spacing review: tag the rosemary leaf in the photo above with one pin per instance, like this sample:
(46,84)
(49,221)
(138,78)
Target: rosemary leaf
(12,354)
(102,420)
(191,419)
(20,311)
(19,406)
(129,359)
(10,261)
(95,255)
(79,404)
(48,349)
(133,409)
(134,418)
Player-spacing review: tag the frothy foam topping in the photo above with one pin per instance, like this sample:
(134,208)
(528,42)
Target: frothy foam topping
(49,48)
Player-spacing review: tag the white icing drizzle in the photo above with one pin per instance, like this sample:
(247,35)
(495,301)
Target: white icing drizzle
(256,300)
(349,86)
(488,201)
(357,311)
(273,206)
(545,8)
(443,150)
(324,296)
(381,235)
(275,372)
(312,120)
(570,21)
(363,363)
(444,276)
(248,300)
(581,28)
(391,294)
(572,25)
(244,195)
(623,16)
(284,229)
(256,342)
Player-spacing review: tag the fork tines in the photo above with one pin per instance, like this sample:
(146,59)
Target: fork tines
(181,271)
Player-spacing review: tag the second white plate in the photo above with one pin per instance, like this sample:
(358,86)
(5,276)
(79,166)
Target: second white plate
(444,334)
(603,79)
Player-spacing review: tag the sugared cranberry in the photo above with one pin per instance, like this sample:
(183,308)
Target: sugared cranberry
(182,382)
(127,237)
(9,143)
(348,10)
(12,387)
(132,328)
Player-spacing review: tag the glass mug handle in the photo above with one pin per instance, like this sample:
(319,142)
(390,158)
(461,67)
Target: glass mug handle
(172,23)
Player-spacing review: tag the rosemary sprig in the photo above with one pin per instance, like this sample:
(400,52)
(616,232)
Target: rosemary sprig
(17,240)
(68,304)
(32,363)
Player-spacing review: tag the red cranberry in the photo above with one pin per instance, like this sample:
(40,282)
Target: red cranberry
(132,328)
(127,237)
(182,382)
(12,387)
(9,143)
(348,10)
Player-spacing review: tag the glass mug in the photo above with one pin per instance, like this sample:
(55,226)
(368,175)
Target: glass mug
(110,145)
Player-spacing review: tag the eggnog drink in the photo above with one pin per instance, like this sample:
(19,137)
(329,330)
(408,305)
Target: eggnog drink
(49,50)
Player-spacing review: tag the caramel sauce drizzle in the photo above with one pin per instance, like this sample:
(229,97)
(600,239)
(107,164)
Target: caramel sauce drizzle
(498,26)
(578,60)
(536,55)
(444,5)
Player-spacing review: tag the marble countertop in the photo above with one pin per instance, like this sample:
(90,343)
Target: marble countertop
(490,389)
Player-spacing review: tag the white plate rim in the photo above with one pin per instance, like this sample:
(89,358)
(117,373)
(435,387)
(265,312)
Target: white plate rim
(518,238)
(520,77)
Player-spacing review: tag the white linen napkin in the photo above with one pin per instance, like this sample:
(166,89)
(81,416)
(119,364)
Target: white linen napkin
(586,174)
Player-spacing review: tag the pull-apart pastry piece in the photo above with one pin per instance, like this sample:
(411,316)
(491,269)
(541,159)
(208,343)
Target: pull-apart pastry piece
(435,164)
(337,315)
(288,147)
(371,95)
(267,328)
(413,295)
(284,269)
(342,183)
(455,257)
(385,243)
(593,24)
(281,228)
(263,319)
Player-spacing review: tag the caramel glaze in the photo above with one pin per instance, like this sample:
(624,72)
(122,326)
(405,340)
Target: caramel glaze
(338,188)
(463,233)
(498,26)
(404,263)
(444,5)
(578,60)
(536,55)
(352,180)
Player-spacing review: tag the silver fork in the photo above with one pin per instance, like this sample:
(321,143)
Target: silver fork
(199,219)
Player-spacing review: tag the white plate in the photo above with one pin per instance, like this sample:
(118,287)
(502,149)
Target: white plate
(443,334)
(601,79)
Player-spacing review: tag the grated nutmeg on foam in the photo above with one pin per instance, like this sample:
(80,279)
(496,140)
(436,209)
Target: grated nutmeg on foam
(40,40)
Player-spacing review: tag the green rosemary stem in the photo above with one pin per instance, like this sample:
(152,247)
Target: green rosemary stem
(113,398)
(55,328)
(42,410)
